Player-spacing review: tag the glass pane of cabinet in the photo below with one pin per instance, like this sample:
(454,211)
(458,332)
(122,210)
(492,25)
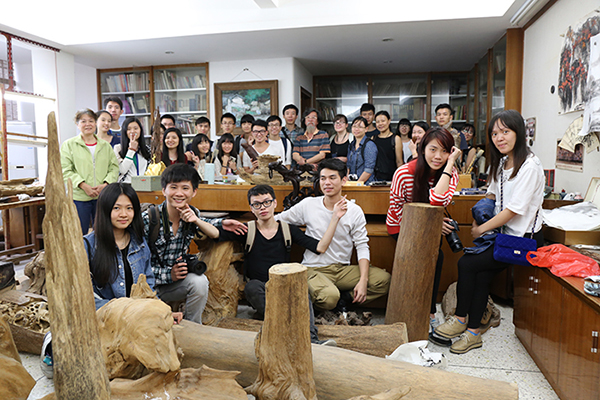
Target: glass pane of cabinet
(132,87)
(403,96)
(471,97)
(482,100)
(499,82)
(340,95)
(451,89)
(181,92)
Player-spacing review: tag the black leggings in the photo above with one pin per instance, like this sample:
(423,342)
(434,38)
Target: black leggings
(438,275)
(475,275)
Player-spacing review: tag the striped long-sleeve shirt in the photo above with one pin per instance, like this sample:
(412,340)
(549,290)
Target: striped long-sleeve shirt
(401,192)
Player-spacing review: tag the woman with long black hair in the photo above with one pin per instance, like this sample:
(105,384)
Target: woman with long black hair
(517,187)
(431,178)
(226,159)
(133,153)
(172,151)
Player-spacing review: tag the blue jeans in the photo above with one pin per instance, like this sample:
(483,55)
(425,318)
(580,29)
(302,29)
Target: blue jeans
(87,213)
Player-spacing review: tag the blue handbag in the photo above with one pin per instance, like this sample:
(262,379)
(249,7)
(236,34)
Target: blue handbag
(513,249)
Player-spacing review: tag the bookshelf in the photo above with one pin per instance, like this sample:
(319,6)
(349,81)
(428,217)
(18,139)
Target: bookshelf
(179,90)
(340,95)
(482,97)
(451,89)
(403,96)
(498,75)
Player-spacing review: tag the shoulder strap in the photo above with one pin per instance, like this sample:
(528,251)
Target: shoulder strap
(250,236)
(286,136)
(153,231)
(287,237)
(284,140)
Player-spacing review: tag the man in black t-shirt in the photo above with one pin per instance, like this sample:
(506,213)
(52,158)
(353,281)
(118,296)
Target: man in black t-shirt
(269,247)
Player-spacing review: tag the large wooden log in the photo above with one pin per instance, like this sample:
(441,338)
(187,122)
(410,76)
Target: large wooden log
(374,340)
(224,289)
(79,369)
(411,288)
(283,344)
(339,374)
(15,381)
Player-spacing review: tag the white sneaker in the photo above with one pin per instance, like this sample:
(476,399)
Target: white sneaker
(46,361)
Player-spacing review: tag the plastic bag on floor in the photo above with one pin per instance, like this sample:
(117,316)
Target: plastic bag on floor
(563,261)
(418,353)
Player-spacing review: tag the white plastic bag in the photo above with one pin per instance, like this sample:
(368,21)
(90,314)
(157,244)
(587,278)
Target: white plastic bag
(418,353)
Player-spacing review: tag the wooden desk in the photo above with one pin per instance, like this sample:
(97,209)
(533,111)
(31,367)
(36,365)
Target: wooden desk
(373,200)
(21,222)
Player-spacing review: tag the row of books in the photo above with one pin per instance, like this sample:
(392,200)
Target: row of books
(168,103)
(400,89)
(415,111)
(339,89)
(136,104)
(450,86)
(132,82)
(167,80)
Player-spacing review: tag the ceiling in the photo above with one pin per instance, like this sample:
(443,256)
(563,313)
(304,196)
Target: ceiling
(328,37)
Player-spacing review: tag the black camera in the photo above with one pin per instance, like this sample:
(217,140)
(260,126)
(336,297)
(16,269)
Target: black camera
(453,239)
(194,265)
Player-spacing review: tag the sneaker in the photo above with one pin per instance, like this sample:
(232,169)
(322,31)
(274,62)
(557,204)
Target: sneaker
(46,362)
(467,341)
(451,328)
(433,323)
(328,342)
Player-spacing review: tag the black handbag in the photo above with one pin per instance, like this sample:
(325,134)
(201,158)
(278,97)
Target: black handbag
(513,249)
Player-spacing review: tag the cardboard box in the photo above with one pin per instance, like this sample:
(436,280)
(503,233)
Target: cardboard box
(146,183)
(464,181)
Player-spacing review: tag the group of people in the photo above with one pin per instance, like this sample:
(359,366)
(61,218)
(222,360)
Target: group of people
(421,162)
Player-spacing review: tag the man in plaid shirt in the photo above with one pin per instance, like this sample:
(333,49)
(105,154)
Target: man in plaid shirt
(178,224)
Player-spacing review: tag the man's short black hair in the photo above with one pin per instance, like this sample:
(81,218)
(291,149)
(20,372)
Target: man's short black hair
(444,105)
(247,118)
(228,115)
(202,120)
(367,107)
(260,189)
(168,116)
(273,118)
(180,172)
(335,164)
(114,99)
(290,107)
(260,122)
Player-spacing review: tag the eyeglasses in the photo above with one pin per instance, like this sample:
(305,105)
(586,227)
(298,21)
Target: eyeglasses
(258,205)
(262,132)
(340,122)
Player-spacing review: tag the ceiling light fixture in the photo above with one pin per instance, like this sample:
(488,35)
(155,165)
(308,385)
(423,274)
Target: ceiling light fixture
(169,52)
(387,61)
(387,39)
(527,10)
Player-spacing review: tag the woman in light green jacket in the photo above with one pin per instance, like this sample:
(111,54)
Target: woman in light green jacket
(90,163)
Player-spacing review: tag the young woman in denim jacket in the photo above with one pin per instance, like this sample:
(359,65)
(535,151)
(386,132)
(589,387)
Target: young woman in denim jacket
(117,250)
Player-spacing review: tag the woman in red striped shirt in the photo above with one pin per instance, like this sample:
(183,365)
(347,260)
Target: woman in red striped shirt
(431,178)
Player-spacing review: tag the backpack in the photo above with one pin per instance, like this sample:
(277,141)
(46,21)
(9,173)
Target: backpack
(287,237)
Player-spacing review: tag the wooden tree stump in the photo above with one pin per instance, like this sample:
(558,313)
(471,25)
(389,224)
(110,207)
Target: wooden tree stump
(35,270)
(283,345)
(224,289)
(411,288)
(339,374)
(79,369)
(15,381)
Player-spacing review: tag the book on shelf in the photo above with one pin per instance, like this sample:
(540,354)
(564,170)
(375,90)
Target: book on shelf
(136,105)
(127,82)
(168,80)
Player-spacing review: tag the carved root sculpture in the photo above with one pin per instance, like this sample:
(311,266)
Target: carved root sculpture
(10,190)
(201,383)
(261,174)
(15,381)
(392,394)
(141,289)
(136,335)
(224,289)
(283,345)
(35,270)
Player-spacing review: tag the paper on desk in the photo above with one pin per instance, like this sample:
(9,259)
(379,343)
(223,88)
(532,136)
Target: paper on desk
(583,216)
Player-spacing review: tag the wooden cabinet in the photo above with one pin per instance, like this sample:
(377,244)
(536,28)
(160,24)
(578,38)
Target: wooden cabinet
(558,324)
(179,90)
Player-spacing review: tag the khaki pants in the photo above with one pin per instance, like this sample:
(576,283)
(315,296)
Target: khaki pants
(325,283)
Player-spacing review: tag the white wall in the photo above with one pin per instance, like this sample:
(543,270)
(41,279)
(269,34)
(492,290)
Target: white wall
(65,79)
(543,44)
(285,70)
(86,90)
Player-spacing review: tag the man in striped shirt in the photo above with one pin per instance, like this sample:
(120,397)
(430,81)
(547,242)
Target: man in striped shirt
(312,146)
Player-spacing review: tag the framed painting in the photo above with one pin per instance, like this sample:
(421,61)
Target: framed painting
(257,98)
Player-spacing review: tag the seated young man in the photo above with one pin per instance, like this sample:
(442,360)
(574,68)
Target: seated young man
(331,272)
(178,223)
(269,245)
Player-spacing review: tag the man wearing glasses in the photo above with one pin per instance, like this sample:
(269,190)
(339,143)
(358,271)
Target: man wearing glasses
(312,146)
(269,246)
(259,133)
